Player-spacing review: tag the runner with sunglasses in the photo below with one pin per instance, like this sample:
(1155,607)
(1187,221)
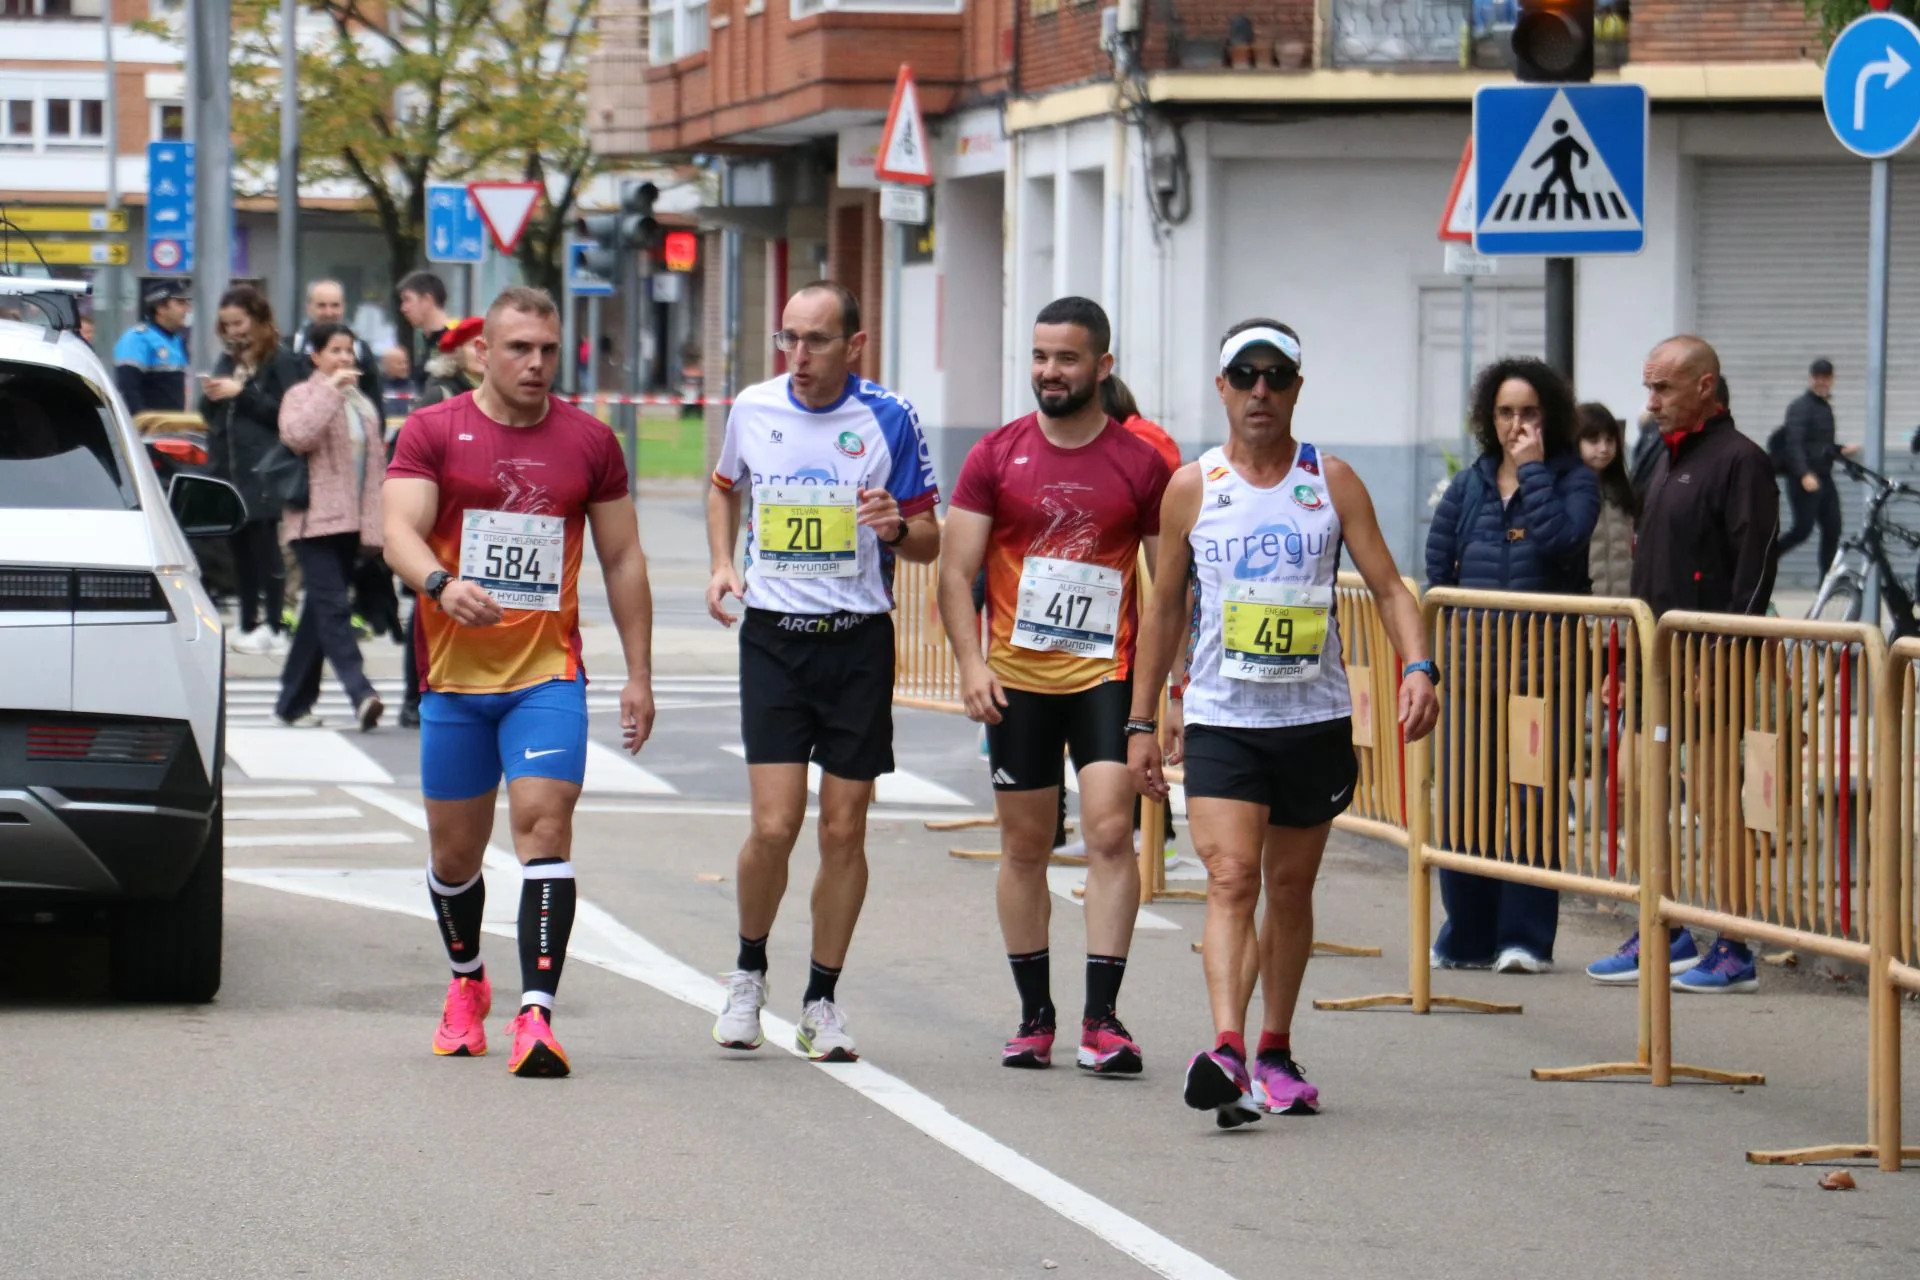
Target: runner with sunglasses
(1057,505)
(1260,522)
(838,481)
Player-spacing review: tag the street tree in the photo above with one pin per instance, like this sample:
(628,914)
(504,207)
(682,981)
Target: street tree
(1836,14)
(397,96)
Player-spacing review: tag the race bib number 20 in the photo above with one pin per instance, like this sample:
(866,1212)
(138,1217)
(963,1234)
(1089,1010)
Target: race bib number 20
(807,531)
(517,558)
(1274,634)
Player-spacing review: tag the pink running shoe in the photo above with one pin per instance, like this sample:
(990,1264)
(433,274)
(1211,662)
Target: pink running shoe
(1106,1048)
(1279,1086)
(1218,1082)
(1031,1047)
(535,1051)
(463,1027)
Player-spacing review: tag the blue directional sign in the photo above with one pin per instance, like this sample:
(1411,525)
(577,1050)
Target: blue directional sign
(1560,170)
(170,208)
(1872,93)
(580,281)
(455,232)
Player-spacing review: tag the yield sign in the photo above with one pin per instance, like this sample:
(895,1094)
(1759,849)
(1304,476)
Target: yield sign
(903,155)
(1457,222)
(506,208)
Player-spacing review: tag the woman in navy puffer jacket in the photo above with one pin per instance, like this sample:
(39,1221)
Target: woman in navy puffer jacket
(1518,519)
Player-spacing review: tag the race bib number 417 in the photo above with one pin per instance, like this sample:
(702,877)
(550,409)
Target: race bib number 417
(517,558)
(1067,607)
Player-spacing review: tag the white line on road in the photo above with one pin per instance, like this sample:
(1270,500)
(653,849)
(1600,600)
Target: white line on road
(601,940)
(311,813)
(1062,880)
(614,772)
(300,840)
(264,793)
(301,755)
(898,787)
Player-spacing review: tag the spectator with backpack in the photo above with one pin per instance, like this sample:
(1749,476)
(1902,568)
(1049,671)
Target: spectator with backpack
(1803,451)
(1518,518)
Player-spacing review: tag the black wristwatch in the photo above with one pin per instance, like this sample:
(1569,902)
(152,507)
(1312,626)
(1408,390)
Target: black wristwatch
(1136,727)
(436,583)
(897,538)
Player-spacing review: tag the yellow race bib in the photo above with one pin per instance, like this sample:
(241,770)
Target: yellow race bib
(1274,634)
(807,531)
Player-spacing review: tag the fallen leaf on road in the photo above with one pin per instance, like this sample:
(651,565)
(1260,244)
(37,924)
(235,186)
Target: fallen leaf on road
(710,877)
(1049,1264)
(1786,959)
(1739,1089)
(1838,1180)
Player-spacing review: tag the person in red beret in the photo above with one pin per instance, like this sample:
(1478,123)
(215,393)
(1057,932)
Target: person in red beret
(456,368)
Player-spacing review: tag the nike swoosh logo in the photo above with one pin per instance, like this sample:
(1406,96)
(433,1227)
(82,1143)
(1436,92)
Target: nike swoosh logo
(535,755)
(1341,794)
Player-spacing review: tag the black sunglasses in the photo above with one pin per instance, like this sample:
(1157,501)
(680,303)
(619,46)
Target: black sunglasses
(1241,377)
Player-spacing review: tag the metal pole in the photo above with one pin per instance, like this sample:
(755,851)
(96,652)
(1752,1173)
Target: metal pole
(1560,316)
(1466,348)
(569,327)
(591,384)
(209,87)
(629,272)
(287,260)
(896,251)
(106,310)
(1880,211)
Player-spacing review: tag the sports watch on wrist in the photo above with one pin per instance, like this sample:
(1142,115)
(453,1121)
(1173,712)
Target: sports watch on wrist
(435,583)
(1426,668)
(897,538)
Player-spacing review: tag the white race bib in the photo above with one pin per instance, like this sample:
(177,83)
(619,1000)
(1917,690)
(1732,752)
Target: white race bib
(807,531)
(1273,634)
(517,558)
(1068,607)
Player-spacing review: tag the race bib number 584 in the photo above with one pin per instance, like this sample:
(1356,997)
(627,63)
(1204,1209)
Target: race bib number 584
(517,558)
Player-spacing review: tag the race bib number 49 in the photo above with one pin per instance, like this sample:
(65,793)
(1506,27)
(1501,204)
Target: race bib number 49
(517,558)
(807,531)
(1274,634)
(1067,607)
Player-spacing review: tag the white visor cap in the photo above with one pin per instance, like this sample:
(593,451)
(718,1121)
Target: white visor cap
(1285,343)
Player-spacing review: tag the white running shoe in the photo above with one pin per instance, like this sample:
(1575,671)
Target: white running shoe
(738,1026)
(279,643)
(258,640)
(822,1034)
(1520,960)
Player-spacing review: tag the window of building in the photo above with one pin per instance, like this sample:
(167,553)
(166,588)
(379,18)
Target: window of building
(169,122)
(75,121)
(50,8)
(678,29)
(16,124)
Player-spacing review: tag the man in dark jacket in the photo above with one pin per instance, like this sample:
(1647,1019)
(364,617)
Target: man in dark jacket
(1707,540)
(327,304)
(1808,449)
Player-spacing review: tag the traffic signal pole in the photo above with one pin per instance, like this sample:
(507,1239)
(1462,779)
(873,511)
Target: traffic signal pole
(1560,300)
(1553,43)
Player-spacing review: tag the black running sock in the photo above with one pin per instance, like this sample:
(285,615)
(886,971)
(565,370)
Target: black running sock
(1103,985)
(547,896)
(753,954)
(458,909)
(820,983)
(1033,977)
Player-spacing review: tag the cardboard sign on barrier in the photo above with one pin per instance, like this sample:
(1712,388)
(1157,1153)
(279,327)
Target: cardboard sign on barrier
(1527,741)
(1360,686)
(1760,783)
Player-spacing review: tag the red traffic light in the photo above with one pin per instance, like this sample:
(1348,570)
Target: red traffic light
(1553,41)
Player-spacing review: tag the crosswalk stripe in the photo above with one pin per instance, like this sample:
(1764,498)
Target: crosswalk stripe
(615,773)
(301,755)
(898,787)
(311,813)
(305,839)
(264,793)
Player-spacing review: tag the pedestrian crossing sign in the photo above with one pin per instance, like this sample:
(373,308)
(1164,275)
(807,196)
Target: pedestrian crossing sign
(1560,170)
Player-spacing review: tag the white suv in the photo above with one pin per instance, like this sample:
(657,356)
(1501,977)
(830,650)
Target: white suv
(111,664)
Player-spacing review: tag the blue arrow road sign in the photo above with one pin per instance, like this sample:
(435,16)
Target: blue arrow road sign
(1872,89)
(581,281)
(455,232)
(1560,170)
(170,208)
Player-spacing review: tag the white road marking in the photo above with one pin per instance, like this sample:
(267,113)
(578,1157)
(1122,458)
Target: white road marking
(601,940)
(898,787)
(264,793)
(301,755)
(312,813)
(615,773)
(1061,881)
(315,839)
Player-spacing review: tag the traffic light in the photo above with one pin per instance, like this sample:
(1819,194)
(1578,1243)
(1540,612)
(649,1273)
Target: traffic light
(1553,41)
(633,229)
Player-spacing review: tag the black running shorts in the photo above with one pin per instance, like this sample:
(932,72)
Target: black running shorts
(818,690)
(1024,749)
(1304,774)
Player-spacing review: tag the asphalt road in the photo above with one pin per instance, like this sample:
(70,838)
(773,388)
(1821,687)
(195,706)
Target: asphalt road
(300,1125)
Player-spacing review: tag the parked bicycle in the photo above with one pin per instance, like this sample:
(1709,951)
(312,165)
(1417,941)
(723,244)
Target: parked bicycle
(1863,557)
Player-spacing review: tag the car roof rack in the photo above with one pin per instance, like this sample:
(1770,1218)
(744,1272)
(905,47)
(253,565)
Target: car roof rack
(57,300)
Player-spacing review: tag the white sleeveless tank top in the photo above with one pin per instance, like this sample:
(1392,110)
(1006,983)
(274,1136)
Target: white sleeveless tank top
(1266,650)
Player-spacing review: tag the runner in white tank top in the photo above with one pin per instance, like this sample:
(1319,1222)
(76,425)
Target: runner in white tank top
(1268,739)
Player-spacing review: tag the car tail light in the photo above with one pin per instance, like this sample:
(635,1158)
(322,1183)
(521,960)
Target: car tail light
(104,743)
(100,591)
(36,590)
(180,451)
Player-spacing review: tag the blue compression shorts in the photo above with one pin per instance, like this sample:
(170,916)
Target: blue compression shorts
(468,740)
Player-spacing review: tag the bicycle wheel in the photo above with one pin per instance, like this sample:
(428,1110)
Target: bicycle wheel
(1840,600)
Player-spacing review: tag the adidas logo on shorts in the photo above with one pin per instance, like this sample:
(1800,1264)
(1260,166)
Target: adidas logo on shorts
(1002,777)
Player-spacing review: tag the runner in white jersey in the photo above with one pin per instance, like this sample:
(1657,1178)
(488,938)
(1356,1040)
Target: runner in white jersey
(1260,524)
(838,481)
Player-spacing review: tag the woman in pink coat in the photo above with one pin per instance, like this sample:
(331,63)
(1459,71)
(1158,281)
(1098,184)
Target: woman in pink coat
(330,423)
